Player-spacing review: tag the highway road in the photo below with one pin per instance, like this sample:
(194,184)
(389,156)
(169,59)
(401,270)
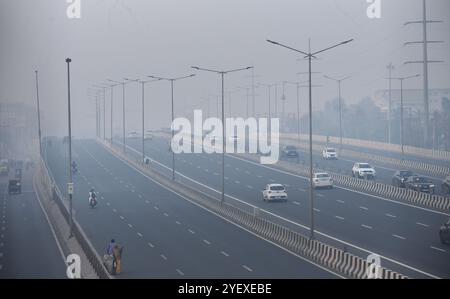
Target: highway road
(28,248)
(384,172)
(405,235)
(164,234)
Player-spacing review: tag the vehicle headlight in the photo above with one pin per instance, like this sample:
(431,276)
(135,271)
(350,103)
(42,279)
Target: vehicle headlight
(431,186)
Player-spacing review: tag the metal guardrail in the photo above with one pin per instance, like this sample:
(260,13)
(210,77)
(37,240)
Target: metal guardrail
(88,249)
(332,258)
(395,148)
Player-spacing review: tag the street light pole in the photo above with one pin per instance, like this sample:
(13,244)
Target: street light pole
(39,115)
(390,67)
(401,79)
(222,75)
(172,80)
(340,106)
(68,61)
(310,56)
(143,116)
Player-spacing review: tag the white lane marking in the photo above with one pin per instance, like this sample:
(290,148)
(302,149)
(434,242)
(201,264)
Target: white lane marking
(140,235)
(130,226)
(237,182)
(146,201)
(140,196)
(438,249)
(224,253)
(121,217)
(422,224)
(399,237)
(320,194)
(301,189)
(164,257)
(206,170)
(156,208)
(151,245)
(247,268)
(179,272)
(215,173)
(226,178)
(259,176)
(317,210)
(207,242)
(177,222)
(364,208)
(191,231)
(296,203)
(340,201)
(165,214)
(390,215)
(114,210)
(339,217)
(249,187)
(108,204)
(366,226)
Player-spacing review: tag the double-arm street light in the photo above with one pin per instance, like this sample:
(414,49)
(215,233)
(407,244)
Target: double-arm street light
(222,73)
(340,106)
(172,80)
(310,55)
(143,115)
(401,79)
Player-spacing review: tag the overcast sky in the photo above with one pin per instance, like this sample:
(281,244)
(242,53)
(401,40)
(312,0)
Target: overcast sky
(133,38)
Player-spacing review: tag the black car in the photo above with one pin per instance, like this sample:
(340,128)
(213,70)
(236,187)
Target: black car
(420,184)
(14,186)
(289,151)
(446,185)
(444,233)
(400,178)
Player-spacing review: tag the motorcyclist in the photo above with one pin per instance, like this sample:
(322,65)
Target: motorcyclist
(92,197)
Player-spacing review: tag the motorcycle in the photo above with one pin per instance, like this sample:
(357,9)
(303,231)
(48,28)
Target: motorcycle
(92,202)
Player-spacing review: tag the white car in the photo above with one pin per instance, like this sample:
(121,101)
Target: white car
(322,179)
(329,153)
(133,135)
(274,192)
(362,170)
(148,135)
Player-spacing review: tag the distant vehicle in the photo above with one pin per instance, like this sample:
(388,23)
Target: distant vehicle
(362,170)
(289,151)
(4,168)
(444,233)
(133,134)
(322,179)
(18,174)
(148,135)
(446,185)
(274,192)
(400,178)
(420,184)
(329,154)
(14,186)
(234,138)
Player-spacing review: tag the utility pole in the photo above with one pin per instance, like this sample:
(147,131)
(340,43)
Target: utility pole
(39,115)
(425,62)
(390,68)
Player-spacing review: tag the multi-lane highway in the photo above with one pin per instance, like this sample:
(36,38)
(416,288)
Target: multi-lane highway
(28,248)
(165,235)
(406,236)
